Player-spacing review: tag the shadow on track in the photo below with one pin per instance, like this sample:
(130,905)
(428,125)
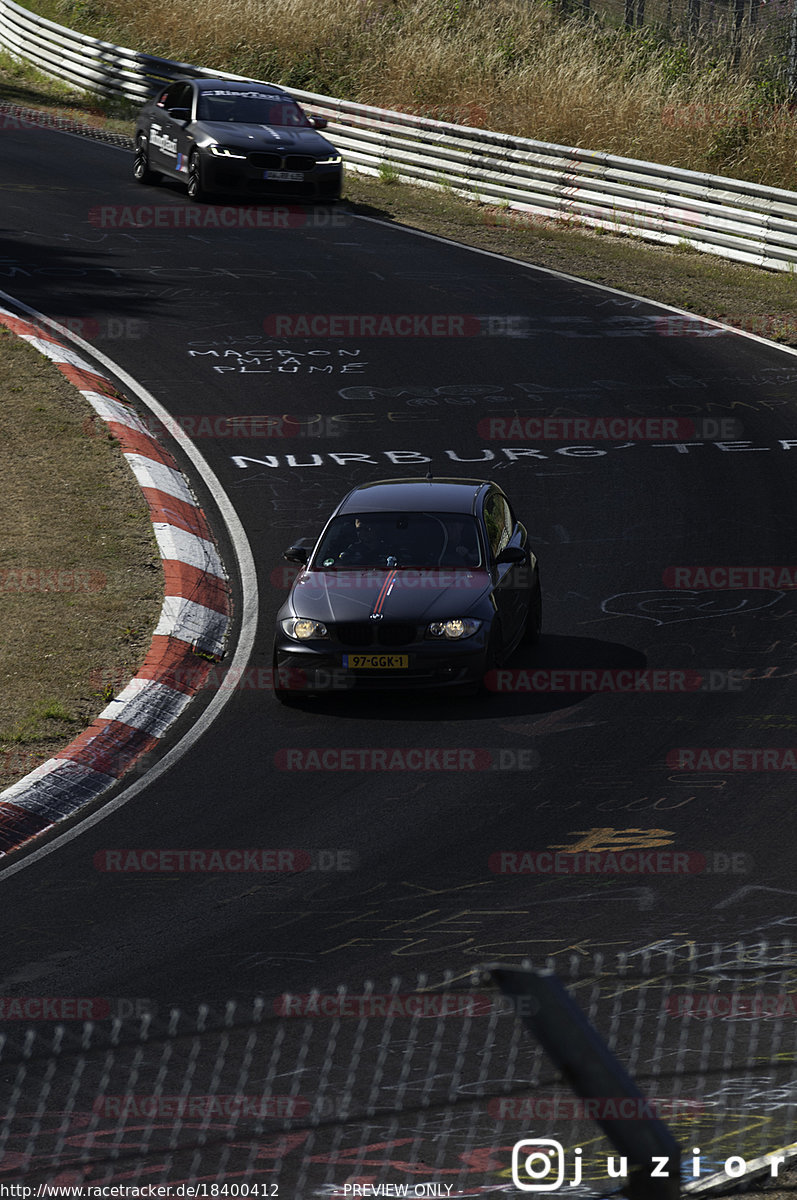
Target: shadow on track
(554,653)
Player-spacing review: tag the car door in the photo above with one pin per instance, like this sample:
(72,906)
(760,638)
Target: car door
(167,135)
(508,578)
(184,103)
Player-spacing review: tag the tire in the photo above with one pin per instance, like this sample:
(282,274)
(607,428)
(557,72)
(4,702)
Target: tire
(142,172)
(196,190)
(533,627)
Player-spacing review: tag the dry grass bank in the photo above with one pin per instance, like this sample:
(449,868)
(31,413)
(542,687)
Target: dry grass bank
(511,65)
(80,576)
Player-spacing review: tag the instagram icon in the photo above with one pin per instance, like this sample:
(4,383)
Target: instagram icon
(535,1159)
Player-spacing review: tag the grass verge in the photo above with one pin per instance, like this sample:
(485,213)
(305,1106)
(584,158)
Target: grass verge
(80,573)
(761,302)
(22,84)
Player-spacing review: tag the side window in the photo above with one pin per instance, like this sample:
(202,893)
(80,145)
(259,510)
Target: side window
(177,96)
(509,520)
(498,521)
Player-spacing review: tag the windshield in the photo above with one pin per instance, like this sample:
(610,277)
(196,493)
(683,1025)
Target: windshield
(250,108)
(399,540)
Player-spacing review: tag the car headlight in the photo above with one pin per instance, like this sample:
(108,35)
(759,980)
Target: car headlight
(324,162)
(227,152)
(455,629)
(303,629)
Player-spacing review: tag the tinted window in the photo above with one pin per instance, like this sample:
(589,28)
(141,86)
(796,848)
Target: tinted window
(399,540)
(250,109)
(176,96)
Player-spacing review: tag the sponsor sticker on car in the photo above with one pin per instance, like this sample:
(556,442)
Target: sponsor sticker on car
(162,140)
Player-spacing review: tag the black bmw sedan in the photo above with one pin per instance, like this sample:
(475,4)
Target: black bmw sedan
(249,138)
(414,583)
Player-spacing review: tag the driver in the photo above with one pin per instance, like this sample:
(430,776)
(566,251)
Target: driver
(462,549)
(368,546)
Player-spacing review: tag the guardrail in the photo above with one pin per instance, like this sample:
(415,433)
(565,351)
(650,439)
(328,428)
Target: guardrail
(420,1079)
(743,221)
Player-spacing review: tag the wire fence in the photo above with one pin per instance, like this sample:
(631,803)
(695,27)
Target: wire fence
(407,1084)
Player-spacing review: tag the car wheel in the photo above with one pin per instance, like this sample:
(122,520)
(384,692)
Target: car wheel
(533,628)
(195,189)
(142,172)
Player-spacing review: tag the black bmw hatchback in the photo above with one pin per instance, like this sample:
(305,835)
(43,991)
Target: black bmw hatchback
(222,136)
(414,583)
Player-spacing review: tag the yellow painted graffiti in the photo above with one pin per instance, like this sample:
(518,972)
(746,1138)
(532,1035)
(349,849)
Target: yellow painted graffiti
(606,838)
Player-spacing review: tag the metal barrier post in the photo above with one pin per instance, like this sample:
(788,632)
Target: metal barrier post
(593,1072)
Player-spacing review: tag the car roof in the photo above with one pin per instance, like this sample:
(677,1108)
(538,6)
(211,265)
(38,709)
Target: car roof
(236,85)
(414,495)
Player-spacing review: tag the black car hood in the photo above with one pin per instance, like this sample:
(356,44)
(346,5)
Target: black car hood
(265,137)
(403,595)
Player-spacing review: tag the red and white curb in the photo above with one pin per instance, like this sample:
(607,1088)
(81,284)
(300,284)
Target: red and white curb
(188,639)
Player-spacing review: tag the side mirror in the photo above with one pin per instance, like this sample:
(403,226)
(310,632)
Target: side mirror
(179,114)
(319,122)
(511,554)
(297,554)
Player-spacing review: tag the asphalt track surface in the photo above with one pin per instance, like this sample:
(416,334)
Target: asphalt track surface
(183,310)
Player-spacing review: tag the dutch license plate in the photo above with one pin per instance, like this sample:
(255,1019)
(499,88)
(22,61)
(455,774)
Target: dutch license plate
(285,176)
(377,662)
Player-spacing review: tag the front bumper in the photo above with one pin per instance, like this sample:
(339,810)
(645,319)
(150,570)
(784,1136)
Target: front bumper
(318,668)
(235,175)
